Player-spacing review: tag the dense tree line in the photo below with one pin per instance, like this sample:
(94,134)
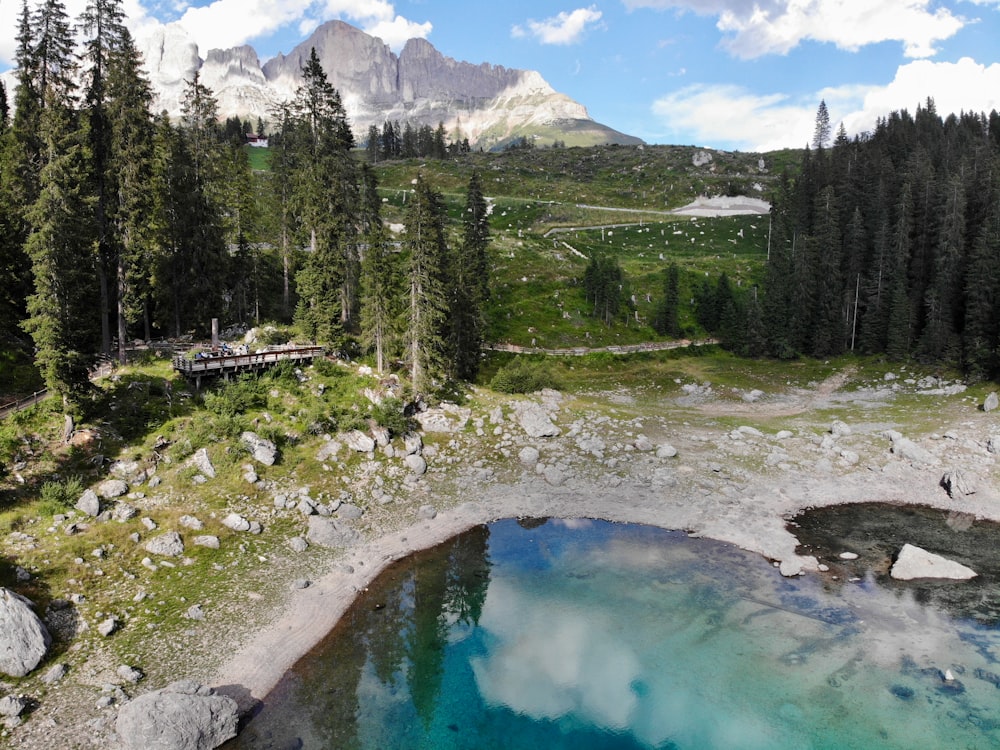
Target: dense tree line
(404,141)
(888,242)
(116,223)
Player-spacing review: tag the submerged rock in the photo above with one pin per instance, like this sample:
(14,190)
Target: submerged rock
(914,562)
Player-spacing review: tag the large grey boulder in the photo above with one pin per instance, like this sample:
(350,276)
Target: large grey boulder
(913,562)
(23,638)
(182,716)
(535,421)
(112,488)
(262,450)
(359,441)
(957,484)
(89,503)
(331,532)
(168,545)
(415,463)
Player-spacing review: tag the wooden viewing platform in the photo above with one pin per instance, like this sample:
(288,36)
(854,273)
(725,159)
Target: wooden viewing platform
(224,365)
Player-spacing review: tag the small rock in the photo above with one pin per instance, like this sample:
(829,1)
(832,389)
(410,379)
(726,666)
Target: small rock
(298,544)
(839,429)
(108,626)
(848,555)
(149,523)
(301,583)
(426,513)
(123,512)
(956,484)
(195,612)
(129,674)
(991,402)
(359,441)
(262,450)
(349,512)
(190,522)
(54,673)
(666,450)
(643,444)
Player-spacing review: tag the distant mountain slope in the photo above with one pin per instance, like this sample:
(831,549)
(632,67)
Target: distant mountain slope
(488,104)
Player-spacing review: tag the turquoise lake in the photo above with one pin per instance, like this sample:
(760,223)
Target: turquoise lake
(585,634)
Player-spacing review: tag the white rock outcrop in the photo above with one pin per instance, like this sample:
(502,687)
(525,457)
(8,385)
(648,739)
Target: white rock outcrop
(914,562)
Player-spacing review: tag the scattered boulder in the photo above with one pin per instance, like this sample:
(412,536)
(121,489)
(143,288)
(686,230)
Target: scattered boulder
(350,512)
(839,429)
(12,705)
(415,463)
(528,455)
(643,444)
(446,418)
(54,673)
(957,484)
(298,544)
(413,443)
(123,512)
(89,503)
(358,441)
(535,421)
(913,562)
(195,612)
(991,402)
(331,532)
(666,450)
(329,450)
(23,638)
(426,513)
(262,450)
(167,545)
(236,522)
(129,674)
(190,522)
(112,488)
(108,626)
(907,450)
(381,435)
(207,540)
(182,716)
(202,463)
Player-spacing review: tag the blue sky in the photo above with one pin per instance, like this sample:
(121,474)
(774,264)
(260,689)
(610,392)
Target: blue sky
(731,74)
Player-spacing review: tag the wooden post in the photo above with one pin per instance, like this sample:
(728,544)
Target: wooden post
(215,334)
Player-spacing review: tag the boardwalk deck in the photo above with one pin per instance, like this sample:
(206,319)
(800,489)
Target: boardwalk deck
(233,364)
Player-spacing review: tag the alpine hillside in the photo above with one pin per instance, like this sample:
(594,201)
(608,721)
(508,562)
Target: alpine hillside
(490,105)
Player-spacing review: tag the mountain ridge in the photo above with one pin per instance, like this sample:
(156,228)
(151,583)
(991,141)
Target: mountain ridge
(486,103)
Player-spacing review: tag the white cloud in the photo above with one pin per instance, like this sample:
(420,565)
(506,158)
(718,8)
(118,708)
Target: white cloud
(734,117)
(564,28)
(778,26)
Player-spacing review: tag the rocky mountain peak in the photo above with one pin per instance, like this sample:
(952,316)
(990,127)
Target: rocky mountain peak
(485,103)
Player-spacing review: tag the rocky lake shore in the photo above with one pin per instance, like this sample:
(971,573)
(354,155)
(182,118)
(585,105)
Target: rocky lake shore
(724,463)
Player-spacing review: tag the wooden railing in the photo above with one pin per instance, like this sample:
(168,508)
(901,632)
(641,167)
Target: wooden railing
(214,364)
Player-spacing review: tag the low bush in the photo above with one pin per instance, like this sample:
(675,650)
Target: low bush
(524,376)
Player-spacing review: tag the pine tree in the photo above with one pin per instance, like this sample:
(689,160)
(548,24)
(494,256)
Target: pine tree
(324,190)
(981,336)
(666,319)
(821,133)
(130,169)
(426,245)
(379,277)
(469,286)
(62,318)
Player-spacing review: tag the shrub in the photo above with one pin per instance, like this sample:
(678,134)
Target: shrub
(59,496)
(390,415)
(523,376)
(237,397)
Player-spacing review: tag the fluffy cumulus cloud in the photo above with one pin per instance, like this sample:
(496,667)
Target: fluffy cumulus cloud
(777,26)
(734,117)
(564,28)
(227,23)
